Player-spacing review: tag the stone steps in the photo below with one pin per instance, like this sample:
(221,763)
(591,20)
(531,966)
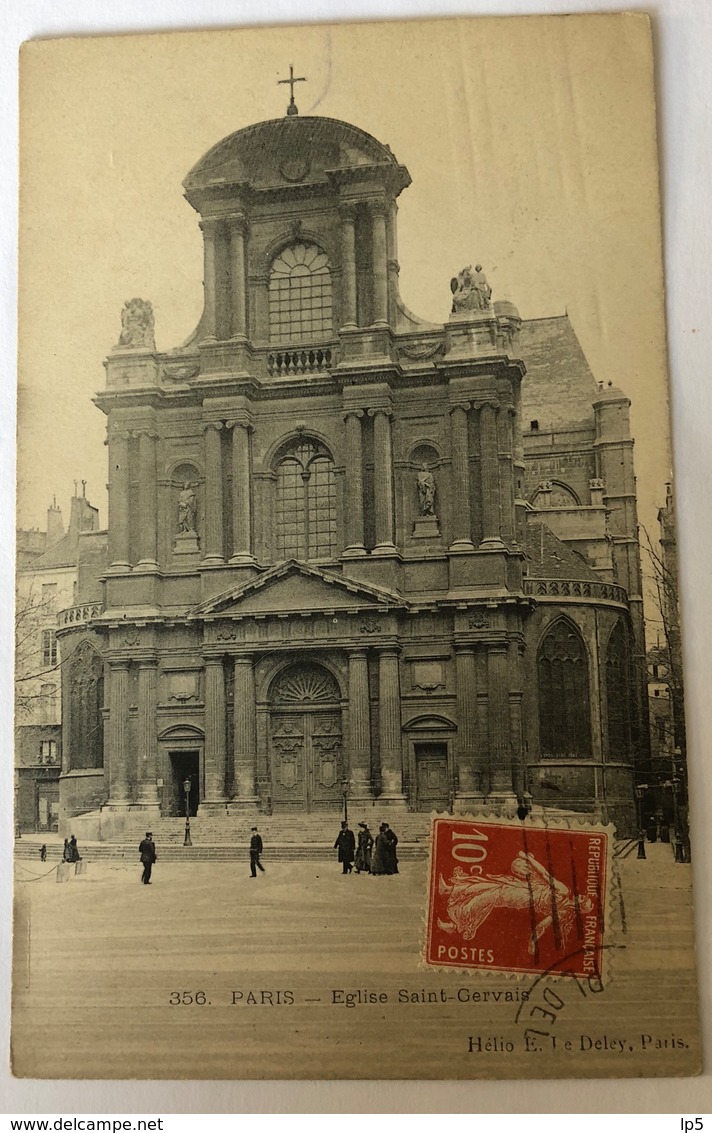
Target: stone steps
(172,852)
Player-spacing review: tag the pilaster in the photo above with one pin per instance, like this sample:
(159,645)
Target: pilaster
(354,484)
(359,727)
(461,517)
(213,544)
(245,745)
(383,481)
(118,733)
(389,728)
(147,742)
(215,797)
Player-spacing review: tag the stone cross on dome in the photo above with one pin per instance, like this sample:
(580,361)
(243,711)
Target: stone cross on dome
(292,108)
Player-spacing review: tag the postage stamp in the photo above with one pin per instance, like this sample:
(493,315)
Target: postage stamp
(515,897)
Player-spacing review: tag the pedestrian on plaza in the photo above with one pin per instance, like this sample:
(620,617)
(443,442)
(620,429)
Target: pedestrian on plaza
(65,851)
(379,857)
(147,853)
(256,849)
(74,855)
(43,853)
(364,849)
(346,845)
(391,843)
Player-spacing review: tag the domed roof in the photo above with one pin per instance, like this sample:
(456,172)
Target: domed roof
(293,151)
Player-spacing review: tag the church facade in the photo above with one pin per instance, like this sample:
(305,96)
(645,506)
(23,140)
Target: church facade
(351,552)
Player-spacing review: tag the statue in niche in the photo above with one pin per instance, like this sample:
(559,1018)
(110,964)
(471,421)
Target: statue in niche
(426,491)
(137,324)
(187,507)
(470,291)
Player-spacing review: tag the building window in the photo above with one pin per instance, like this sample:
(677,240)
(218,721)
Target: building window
(661,725)
(48,751)
(564,710)
(48,701)
(49,648)
(619,693)
(300,296)
(306,503)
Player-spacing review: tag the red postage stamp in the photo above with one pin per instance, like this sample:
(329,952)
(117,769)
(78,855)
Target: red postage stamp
(512,897)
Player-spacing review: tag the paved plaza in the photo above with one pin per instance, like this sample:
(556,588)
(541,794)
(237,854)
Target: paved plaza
(208,973)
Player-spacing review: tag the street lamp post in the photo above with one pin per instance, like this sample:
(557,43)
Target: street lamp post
(639,793)
(186,787)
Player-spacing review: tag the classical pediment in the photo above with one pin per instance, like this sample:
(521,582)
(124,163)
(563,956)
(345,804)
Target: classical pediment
(296,586)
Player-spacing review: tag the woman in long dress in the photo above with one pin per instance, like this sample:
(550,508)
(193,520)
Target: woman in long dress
(380,859)
(364,849)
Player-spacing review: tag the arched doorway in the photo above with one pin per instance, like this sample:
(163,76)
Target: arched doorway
(305,738)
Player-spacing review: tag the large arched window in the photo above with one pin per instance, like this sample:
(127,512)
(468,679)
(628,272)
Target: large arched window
(619,693)
(564,711)
(300,296)
(306,502)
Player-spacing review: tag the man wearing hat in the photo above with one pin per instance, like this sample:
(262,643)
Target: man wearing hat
(346,845)
(147,853)
(255,851)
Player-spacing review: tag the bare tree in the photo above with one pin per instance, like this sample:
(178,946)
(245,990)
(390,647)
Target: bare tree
(33,614)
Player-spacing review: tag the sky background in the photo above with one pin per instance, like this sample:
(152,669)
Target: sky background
(531,145)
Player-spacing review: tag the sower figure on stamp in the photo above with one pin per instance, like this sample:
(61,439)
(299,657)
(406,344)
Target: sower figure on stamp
(364,849)
(147,853)
(256,848)
(346,845)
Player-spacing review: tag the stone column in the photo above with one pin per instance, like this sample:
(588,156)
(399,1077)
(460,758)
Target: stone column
(147,789)
(348,266)
(119,500)
(501,785)
(245,734)
(380,263)
(389,727)
(214,734)
(241,493)
(383,481)
(519,775)
(209,319)
(147,488)
(118,733)
(354,484)
(467,754)
(506,472)
(462,540)
(238,290)
(359,727)
(490,476)
(213,542)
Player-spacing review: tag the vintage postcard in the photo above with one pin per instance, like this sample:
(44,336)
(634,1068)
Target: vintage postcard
(346,560)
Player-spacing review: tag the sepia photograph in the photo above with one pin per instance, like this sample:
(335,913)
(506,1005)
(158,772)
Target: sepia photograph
(346,560)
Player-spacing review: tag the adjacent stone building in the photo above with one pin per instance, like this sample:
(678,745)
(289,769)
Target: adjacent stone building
(46,584)
(351,551)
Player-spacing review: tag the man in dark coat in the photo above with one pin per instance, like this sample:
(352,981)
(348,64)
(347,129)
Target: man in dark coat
(346,845)
(391,843)
(255,851)
(147,853)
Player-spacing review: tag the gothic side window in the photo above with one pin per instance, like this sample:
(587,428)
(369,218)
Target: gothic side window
(619,688)
(564,709)
(306,503)
(300,307)
(85,674)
